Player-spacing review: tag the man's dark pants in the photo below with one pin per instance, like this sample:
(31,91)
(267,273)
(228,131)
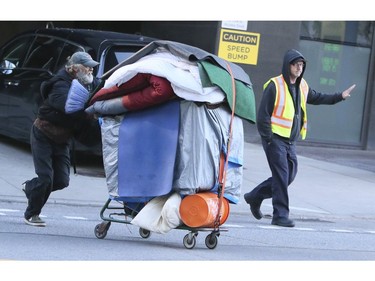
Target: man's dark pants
(52,166)
(282,160)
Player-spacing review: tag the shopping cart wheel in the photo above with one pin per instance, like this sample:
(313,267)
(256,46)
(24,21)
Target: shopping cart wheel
(144,232)
(101,229)
(189,240)
(211,241)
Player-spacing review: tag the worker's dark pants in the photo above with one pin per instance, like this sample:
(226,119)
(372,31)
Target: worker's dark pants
(282,160)
(52,166)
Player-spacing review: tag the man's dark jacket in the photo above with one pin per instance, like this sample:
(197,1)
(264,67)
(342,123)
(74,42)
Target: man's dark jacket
(55,93)
(267,103)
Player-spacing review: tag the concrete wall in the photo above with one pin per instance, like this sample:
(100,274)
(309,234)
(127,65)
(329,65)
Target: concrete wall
(275,39)
(370,130)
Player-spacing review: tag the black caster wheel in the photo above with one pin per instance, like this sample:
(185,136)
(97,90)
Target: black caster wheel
(211,241)
(189,240)
(144,232)
(102,229)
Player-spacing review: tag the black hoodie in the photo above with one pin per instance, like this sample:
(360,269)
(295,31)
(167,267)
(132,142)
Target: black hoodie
(266,106)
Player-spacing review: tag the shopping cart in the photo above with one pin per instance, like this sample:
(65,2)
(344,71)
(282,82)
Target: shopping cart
(145,170)
(116,210)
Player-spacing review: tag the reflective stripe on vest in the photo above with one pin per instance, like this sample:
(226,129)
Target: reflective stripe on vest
(283,113)
(304,88)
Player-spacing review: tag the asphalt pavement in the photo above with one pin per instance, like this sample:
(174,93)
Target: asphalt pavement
(323,188)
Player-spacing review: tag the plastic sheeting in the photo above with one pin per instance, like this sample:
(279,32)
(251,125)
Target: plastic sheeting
(182,74)
(110,127)
(203,134)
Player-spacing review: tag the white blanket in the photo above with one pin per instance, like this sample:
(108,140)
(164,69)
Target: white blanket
(183,75)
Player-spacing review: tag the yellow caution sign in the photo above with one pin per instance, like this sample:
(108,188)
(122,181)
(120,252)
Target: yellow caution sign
(239,46)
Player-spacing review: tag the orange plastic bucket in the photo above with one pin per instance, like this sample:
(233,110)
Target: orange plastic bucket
(200,210)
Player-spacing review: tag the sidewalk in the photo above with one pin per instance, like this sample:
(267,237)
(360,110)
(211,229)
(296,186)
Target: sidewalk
(321,189)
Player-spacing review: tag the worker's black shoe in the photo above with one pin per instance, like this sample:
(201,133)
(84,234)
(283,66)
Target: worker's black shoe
(254,206)
(283,222)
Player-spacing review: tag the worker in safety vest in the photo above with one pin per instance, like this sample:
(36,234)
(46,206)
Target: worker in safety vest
(281,120)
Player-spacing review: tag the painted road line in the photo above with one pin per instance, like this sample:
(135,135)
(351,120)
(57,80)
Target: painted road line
(233,225)
(269,227)
(75,218)
(342,230)
(305,228)
(9,210)
(301,209)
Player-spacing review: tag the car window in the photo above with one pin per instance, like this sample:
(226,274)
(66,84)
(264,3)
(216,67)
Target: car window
(117,54)
(44,53)
(14,53)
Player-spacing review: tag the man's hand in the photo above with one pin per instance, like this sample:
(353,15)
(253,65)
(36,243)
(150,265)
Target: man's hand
(346,93)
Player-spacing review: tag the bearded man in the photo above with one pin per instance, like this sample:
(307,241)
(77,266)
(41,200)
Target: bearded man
(52,133)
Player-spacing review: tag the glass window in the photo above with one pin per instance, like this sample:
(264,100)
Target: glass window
(338,55)
(44,53)
(117,54)
(346,32)
(332,68)
(14,53)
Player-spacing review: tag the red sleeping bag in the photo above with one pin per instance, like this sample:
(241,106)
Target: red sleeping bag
(142,91)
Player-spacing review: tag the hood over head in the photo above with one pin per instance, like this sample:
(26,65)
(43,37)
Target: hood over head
(292,56)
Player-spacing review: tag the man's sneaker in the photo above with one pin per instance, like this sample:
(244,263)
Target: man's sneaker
(35,221)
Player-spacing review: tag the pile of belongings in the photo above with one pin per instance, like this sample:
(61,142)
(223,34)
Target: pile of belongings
(165,119)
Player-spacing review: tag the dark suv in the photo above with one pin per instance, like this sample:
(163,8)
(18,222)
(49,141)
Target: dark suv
(32,57)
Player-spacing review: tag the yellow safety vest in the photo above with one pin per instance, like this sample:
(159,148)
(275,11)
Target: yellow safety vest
(283,112)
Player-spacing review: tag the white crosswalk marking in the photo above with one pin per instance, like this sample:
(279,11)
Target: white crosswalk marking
(268,227)
(9,210)
(75,218)
(305,228)
(342,230)
(233,225)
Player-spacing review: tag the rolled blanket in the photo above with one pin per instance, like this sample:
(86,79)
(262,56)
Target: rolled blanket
(78,96)
(138,82)
(157,91)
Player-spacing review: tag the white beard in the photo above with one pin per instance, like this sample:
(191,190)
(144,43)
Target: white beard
(85,78)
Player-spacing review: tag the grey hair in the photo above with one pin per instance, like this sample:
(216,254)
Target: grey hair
(71,67)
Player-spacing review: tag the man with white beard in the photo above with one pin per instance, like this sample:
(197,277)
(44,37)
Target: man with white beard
(52,133)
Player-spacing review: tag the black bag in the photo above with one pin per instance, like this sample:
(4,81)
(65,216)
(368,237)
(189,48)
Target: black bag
(88,132)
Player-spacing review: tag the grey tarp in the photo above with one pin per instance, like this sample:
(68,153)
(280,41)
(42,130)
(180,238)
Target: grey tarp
(203,131)
(203,134)
(110,128)
(212,69)
(187,52)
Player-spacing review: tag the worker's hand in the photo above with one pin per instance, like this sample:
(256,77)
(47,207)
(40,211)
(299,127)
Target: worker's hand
(346,93)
